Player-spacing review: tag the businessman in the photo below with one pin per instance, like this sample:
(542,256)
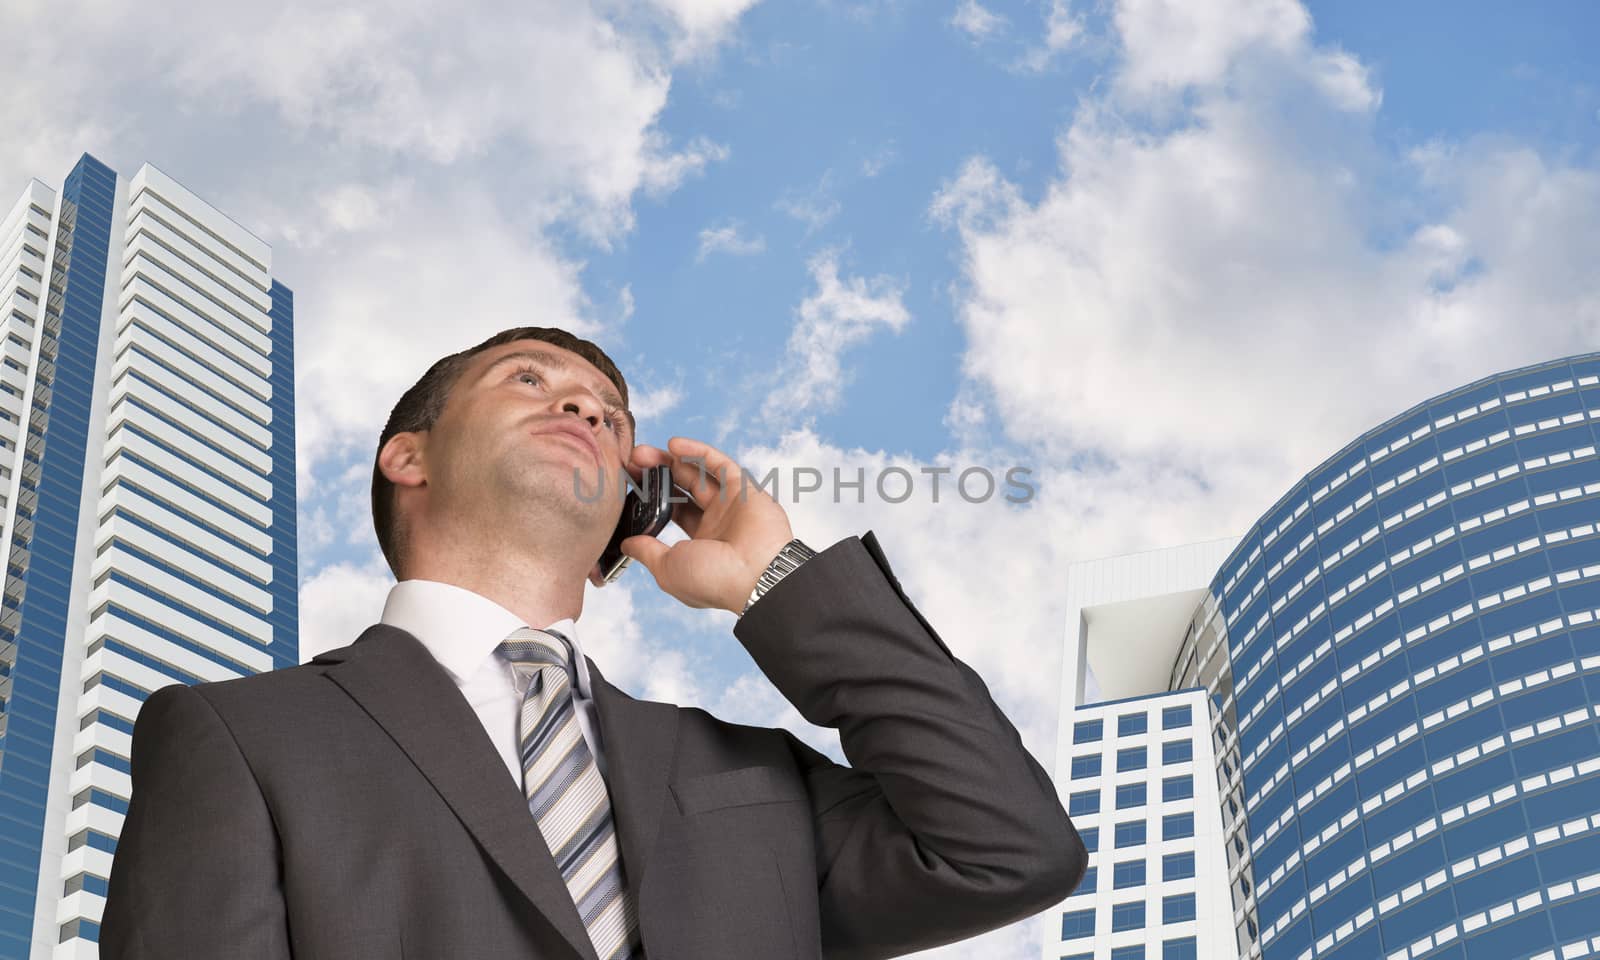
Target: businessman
(461,781)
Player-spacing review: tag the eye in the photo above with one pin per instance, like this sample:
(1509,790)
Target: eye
(613,416)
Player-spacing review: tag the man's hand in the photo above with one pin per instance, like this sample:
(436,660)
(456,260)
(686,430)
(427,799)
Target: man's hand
(735,528)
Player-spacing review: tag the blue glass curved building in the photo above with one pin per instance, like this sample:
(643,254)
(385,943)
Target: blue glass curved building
(1403,659)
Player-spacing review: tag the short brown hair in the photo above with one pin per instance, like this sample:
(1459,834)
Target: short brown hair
(419,409)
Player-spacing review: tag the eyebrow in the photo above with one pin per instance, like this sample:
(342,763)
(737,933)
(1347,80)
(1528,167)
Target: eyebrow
(553,361)
(558,362)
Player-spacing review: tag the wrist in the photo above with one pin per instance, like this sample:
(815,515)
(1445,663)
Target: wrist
(785,561)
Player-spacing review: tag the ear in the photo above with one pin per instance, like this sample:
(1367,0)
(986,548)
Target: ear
(401,459)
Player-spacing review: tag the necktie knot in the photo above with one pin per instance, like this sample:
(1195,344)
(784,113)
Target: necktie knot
(531,649)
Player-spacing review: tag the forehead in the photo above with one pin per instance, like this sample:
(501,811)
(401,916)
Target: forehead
(549,357)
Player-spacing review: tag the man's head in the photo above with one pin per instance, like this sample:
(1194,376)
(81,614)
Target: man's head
(481,431)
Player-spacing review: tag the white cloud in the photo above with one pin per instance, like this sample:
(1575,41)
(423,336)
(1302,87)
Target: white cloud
(701,24)
(875,164)
(729,238)
(409,166)
(814,208)
(447,271)
(976,20)
(1172,45)
(644,663)
(654,403)
(1062,28)
(981,573)
(339,602)
(1227,302)
(837,315)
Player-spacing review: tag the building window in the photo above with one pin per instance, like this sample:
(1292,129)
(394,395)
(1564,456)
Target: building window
(1091,838)
(1130,795)
(1131,952)
(1177,826)
(1132,758)
(1177,866)
(1177,751)
(1128,873)
(1127,916)
(1088,731)
(1090,881)
(1184,948)
(1130,834)
(1130,724)
(1077,923)
(1174,717)
(1177,788)
(1085,767)
(1083,804)
(1177,909)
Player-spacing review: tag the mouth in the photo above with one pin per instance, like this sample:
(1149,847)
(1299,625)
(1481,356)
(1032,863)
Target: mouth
(575,437)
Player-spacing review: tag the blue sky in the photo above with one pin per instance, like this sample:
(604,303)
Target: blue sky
(1167,255)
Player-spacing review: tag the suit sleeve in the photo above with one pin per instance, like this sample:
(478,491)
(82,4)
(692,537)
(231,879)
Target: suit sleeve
(943,826)
(196,871)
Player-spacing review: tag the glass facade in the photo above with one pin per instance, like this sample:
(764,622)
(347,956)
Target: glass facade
(152,539)
(1404,664)
(285,617)
(39,562)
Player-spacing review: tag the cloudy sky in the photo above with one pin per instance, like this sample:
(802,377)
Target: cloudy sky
(1166,255)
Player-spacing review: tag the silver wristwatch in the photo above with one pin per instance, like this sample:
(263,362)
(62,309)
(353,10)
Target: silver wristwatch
(788,559)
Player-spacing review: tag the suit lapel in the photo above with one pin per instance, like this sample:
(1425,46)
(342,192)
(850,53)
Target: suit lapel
(639,738)
(405,690)
(394,678)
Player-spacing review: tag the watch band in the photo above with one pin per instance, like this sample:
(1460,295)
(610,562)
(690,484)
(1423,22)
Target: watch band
(789,558)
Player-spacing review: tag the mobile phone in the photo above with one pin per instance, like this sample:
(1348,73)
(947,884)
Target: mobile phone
(646,509)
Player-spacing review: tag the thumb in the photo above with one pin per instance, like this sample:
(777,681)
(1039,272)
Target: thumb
(645,549)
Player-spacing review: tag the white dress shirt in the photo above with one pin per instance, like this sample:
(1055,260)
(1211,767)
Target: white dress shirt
(462,629)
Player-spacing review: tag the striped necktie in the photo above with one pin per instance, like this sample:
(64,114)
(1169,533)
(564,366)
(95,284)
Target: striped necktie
(567,795)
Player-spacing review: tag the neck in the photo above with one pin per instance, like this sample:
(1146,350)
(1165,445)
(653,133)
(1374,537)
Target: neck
(540,587)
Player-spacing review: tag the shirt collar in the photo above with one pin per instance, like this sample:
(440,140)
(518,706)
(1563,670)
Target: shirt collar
(462,628)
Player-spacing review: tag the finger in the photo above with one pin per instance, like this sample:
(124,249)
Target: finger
(687,515)
(697,479)
(729,476)
(685,474)
(644,455)
(647,550)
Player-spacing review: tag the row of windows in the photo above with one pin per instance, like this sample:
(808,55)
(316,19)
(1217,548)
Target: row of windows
(1133,758)
(1130,915)
(1131,873)
(1538,614)
(1436,585)
(1183,948)
(1176,826)
(1132,724)
(1373,453)
(1087,802)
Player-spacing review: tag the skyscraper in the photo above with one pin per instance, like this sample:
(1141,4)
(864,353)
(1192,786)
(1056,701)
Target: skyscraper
(1137,767)
(149,517)
(1402,663)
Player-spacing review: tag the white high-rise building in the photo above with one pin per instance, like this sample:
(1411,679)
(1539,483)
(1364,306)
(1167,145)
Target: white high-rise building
(147,478)
(1137,768)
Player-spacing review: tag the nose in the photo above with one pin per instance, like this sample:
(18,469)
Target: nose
(584,404)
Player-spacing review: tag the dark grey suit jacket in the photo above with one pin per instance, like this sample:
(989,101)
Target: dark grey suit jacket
(353,806)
